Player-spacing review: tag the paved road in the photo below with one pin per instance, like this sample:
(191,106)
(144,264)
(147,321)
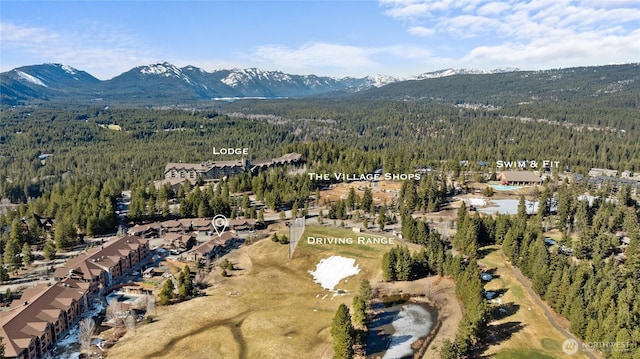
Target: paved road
(527,285)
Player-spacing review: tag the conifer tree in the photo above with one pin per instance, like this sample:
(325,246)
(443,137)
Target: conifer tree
(342,333)
(27,256)
(166,294)
(359,311)
(389,266)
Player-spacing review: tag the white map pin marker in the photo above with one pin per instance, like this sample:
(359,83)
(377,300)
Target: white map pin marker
(220,221)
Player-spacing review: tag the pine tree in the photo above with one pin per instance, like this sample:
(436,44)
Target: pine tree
(522,208)
(367,201)
(403,263)
(166,294)
(49,250)
(381,220)
(389,266)
(351,199)
(365,290)
(4,275)
(359,311)
(185,285)
(27,256)
(342,333)
(11,254)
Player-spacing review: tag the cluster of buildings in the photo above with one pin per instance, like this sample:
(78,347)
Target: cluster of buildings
(600,177)
(597,178)
(216,170)
(189,225)
(43,314)
(180,235)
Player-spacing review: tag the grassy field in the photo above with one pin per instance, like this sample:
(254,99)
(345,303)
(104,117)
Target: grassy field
(521,354)
(521,330)
(269,308)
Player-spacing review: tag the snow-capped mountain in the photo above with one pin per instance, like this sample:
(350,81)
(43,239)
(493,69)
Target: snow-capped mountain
(43,82)
(165,83)
(452,72)
(50,75)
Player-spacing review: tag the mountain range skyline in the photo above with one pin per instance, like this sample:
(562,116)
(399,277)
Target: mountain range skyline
(153,68)
(337,39)
(168,84)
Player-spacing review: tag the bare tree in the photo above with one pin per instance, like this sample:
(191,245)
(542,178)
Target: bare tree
(201,277)
(130,323)
(114,315)
(151,304)
(428,290)
(86,327)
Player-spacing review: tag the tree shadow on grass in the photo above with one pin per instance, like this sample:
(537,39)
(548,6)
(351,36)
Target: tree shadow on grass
(504,310)
(483,252)
(495,294)
(496,334)
(492,271)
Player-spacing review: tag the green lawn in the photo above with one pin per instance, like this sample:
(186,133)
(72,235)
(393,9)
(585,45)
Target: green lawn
(521,354)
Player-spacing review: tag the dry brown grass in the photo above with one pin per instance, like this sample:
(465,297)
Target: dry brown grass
(382,192)
(269,308)
(536,332)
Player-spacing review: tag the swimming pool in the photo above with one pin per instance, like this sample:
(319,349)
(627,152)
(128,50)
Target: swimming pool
(501,187)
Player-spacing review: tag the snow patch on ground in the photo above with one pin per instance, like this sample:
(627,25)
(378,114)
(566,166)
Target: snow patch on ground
(330,271)
(72,336)
(477,202)
(30,78)
(412,323)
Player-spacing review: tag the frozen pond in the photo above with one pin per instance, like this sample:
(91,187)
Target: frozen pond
(508,206)
(393,331)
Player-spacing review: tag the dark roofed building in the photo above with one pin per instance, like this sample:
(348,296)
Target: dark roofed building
(180,241)
(44,222)
(216,246)
(241,224)
(216,170)
(151,230)
(208,171)
(615,182)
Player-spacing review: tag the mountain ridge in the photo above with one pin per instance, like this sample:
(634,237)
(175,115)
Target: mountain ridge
(165,83)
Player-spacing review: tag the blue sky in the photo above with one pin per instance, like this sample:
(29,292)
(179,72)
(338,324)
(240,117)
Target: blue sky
(332,38)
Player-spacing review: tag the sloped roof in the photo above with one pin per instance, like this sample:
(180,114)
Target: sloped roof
(202,167)
(216,241)
(520,176)
(29,317)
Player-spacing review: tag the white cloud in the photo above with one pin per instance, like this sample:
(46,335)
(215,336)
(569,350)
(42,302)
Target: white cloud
(421,31)
(493,8)
(466,26)
(577,49)
(103,51)
(312,56)
(328,59)
(526,33)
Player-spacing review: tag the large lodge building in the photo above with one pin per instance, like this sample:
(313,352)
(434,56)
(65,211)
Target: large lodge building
(44,313)
(217,170)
